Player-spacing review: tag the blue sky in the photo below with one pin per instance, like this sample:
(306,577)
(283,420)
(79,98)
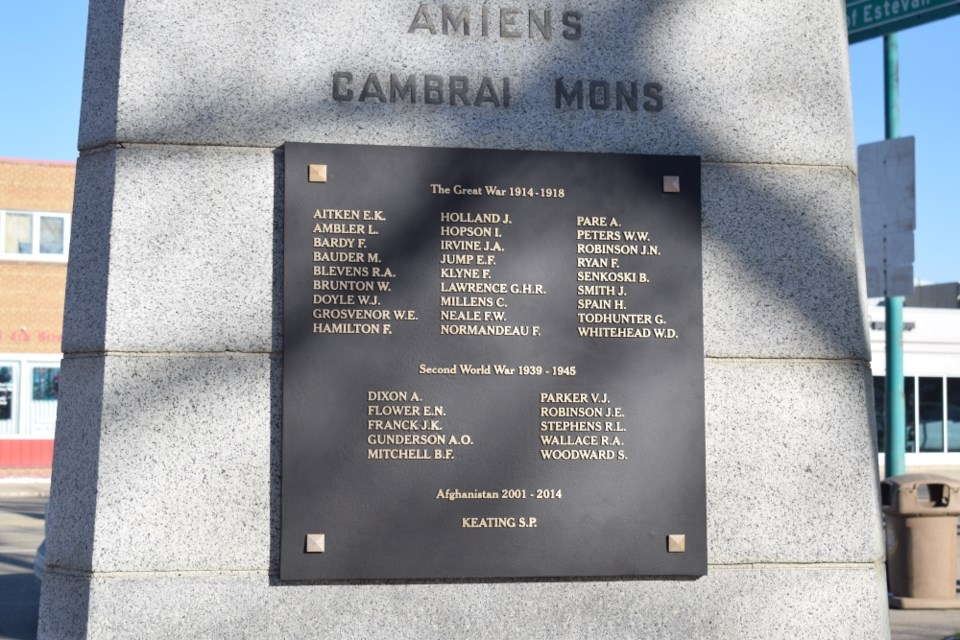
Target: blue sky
(41,66)
(41,73)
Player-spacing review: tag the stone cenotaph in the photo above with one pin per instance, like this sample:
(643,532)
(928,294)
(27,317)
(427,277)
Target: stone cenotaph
(434,320)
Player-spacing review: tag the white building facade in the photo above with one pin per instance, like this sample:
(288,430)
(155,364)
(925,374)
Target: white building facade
(931,367)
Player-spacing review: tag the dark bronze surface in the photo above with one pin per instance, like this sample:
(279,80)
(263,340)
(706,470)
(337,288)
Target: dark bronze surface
(438,339)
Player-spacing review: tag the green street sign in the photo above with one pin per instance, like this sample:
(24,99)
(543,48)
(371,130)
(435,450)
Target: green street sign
(871,18)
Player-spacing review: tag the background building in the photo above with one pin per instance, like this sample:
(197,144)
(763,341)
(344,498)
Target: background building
(36,198)
(931,367)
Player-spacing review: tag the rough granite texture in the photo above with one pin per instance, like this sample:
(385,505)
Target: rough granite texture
(84,317)
(782,263)
(201,432)
(257,74)
(775,601)
(164,511)
(195,253)
(72,508)
(787,475)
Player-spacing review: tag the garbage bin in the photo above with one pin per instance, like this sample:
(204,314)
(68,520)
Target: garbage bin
(921,530)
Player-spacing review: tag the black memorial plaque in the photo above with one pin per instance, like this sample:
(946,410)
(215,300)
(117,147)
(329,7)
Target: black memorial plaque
(492,365)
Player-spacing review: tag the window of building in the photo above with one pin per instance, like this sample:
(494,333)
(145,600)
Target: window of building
(46,383)
(42,412)
(34,236)
(29,393)
(953,414)
(911,404)
(880,411)
(8,398)
(932,414)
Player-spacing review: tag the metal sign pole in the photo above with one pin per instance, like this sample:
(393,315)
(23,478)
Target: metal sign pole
(895,404)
